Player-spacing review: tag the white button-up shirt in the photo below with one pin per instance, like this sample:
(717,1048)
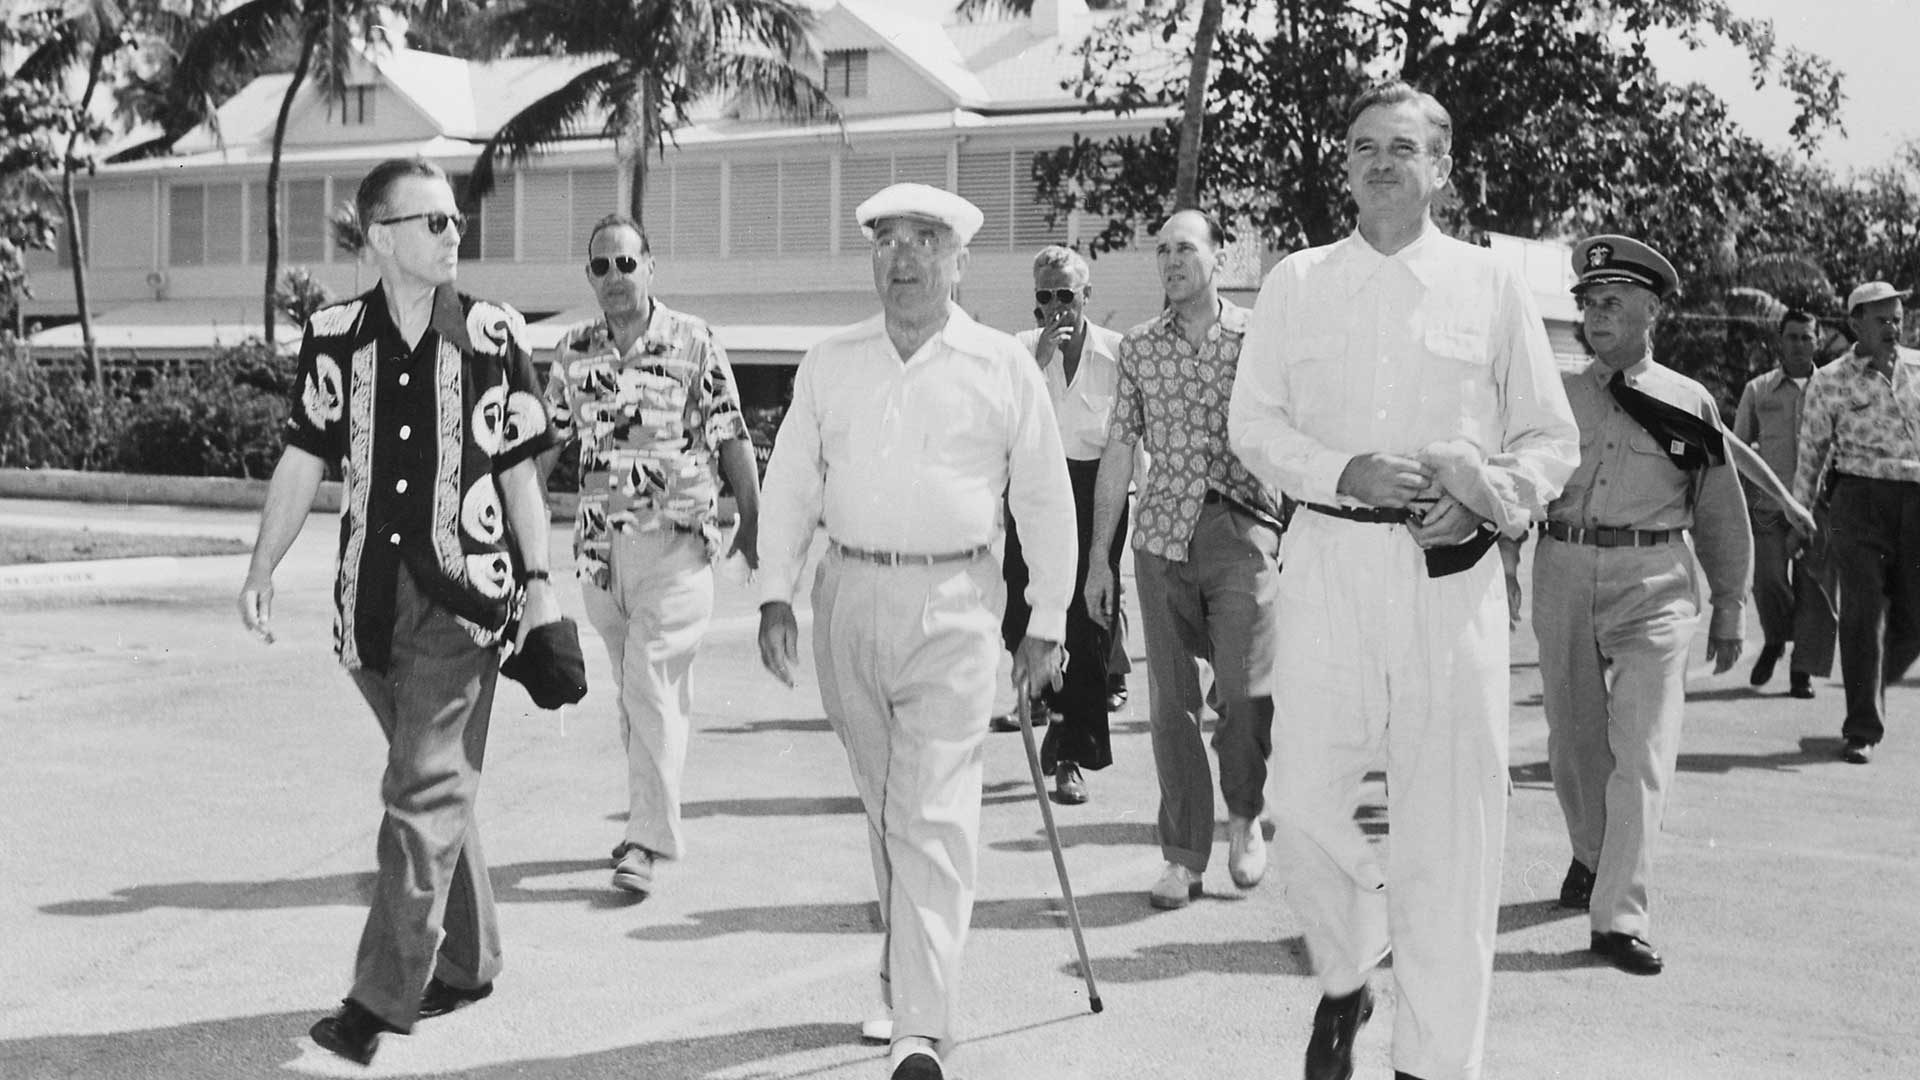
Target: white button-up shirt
(1082,407)
(1351,351)
(912,456)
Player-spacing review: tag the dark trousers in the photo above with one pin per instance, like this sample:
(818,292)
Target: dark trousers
(433,702)
(1081,737)
(1793,594)
(1876,555)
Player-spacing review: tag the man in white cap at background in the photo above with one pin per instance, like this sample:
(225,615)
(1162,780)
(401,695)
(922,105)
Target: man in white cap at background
(1860,423)
(904,432)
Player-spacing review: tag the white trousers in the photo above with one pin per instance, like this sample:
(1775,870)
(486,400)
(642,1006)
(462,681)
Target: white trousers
(652,619)
(906,659)
(1376,659)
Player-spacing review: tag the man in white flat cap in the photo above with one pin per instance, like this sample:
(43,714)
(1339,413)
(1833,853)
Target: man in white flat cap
(904,432)
(1858,449)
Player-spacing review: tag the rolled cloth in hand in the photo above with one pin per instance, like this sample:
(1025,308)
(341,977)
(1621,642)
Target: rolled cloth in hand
(1461,471)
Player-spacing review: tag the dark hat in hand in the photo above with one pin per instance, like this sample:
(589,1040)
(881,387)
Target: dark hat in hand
(550,665)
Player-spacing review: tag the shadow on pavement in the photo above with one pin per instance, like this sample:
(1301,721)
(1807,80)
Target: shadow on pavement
(1040,913)
(777,807)
(815,725)
(1813,750)
(1286,956)
(248,1047)
(510,885)
(1106,833)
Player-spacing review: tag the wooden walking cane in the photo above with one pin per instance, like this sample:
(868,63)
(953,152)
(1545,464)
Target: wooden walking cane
(1025,712)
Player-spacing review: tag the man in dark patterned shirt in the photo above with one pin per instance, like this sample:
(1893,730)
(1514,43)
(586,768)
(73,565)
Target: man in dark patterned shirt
(647,392)
(429,402)
(1206,548)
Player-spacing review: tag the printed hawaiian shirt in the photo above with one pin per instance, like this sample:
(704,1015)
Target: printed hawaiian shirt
(650,424)
(1173,399)
(1857,421)
(422,435)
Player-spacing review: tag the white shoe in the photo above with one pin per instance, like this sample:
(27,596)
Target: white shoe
(1246,851)
(877,1030)
(1177,887)
(633,869)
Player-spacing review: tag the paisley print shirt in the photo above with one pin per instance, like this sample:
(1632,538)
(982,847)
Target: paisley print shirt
(1857,421)
(421,435)
(650,424)
(1173,399)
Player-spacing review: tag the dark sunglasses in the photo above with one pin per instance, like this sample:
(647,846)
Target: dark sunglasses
(599,264)
(1055,296)
(437,222)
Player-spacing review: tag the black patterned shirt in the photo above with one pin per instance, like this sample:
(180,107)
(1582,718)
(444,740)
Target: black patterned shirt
(422,435)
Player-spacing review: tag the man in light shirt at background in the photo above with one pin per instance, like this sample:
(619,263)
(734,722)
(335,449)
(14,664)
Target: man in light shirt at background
(905,432)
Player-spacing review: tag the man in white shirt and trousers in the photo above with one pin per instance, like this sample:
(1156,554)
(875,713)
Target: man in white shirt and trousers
(1368,363)
(903,434)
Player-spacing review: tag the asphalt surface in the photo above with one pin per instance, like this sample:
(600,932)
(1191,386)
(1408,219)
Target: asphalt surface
(189,843)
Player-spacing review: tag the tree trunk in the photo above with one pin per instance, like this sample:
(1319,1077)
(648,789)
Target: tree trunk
(70,206)
(637,194)
(1186,184)
(269,306)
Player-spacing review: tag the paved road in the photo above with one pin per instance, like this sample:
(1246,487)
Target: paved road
(189,841)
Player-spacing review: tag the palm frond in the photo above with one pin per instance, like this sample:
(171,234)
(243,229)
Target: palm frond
(543,124)
(766,82)
(240,39)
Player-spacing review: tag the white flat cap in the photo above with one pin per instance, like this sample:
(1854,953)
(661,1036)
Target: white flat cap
(1873,292)
(922,203)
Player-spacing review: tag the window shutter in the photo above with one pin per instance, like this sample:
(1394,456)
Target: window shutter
(306,218)
(753,211)
(1030,228)
(186,225)
(226,227)
(986,181)
(256,223)
(497,219)
(547,198)
(860,177)
(929,169)
(596,193)
(696,211)
(806,206)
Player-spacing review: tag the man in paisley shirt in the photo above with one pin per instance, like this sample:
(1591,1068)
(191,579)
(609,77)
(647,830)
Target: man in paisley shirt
(428,401)
(1206,545)
(1860,438)
(648,394)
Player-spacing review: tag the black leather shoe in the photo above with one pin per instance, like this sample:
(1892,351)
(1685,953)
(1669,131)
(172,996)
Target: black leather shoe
(1335,1023)
(351,1032)
(1763,664)
(1004,722)
(1576,889)
(918,1067)
(1628,953)
(1068,788)
(1799,684)
(1857,751)
(442,998)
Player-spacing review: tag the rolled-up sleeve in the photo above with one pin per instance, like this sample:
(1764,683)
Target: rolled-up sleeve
(1041,494)
(791,495)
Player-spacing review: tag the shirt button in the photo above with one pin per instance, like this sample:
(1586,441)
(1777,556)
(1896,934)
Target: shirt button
(395,538)
(406,431)
(401,486)
(1382,414)
(405,378)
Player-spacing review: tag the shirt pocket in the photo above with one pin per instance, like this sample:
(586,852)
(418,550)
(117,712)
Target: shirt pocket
(1458,385)
(1315,380)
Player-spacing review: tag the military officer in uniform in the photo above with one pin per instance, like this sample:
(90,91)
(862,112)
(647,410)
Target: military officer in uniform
(1615,599)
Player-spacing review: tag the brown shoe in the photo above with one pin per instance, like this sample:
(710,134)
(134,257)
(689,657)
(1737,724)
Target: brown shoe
(353,1032)
(1068,788)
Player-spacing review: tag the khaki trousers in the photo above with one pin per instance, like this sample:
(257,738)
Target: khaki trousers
(651,619)
(906,659)
(1615,625)
(433,704)
(1374,659)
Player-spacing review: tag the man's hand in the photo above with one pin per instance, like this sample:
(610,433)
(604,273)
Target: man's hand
(543,607)
(1099,593)
(1036,662)
(1723,652)
(1384,479)
(1445,523)
(1800,519)
(1055,332)
(780,641)
(746,543)
(256,607)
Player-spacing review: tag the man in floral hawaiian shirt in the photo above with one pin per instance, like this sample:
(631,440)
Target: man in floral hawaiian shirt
(429,402)
(647,392)
(1860,436)
(1206,547)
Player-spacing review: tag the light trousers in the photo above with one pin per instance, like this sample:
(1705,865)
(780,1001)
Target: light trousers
(1615,626)
(433,703)
(906,658)
(1374,659)
(651,619)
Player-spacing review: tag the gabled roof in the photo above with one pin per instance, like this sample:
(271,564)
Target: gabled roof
(924,45)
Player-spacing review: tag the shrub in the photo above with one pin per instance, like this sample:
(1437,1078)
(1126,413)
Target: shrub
(222,417)
(53,417)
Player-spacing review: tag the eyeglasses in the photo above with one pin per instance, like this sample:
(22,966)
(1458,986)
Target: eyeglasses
(437,222)
(1055,296)
(920,243)
(600,264)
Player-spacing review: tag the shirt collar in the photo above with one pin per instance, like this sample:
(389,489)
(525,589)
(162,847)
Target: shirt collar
(1356,260)
(1230,318)
(1603,374)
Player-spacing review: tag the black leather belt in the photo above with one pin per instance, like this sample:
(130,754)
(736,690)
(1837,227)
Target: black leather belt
(1371,515)
(1606,537)
(898,558)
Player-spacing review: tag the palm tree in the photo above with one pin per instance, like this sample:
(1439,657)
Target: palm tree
(655,59)
(94,29)
(248,39)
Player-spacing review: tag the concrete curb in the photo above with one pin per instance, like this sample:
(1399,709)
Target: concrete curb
(112,573)
(220,492)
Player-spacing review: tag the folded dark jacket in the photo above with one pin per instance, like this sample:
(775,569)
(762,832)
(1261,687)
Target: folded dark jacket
(550,665)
